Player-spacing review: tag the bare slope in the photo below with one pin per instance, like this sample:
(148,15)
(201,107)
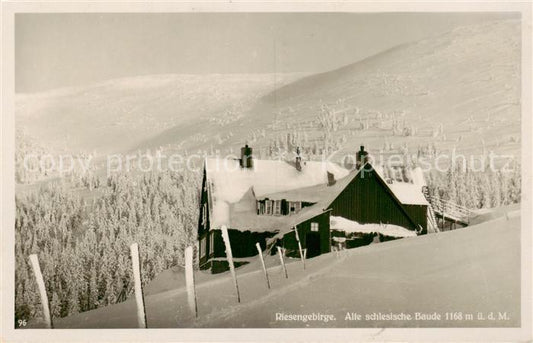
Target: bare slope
(472,270)
(118,115)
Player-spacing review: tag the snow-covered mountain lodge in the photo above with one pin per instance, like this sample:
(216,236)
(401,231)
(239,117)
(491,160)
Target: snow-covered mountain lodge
(265,200)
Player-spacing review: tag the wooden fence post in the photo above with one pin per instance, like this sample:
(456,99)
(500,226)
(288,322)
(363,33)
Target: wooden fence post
(42,290)
(280,252)
(189,280)
(302,257)
(139,297)
(263,263)
(229,256)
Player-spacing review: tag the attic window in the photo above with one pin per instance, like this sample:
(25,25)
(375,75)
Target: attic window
(268,204)
(314,227)
(277,207)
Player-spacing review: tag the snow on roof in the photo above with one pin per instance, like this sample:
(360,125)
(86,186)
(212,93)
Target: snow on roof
(229,183)
(409,193)
(311,194)
(233,190)
(350,226)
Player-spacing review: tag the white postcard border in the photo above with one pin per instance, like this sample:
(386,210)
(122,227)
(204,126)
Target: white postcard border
(8,333)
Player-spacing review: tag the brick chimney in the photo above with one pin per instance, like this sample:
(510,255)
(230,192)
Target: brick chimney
(246,160)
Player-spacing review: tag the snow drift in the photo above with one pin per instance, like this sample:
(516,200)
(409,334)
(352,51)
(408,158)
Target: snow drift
(349,226)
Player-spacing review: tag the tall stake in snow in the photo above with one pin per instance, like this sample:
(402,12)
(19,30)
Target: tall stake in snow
(139,298)
(299,246)
(229,256)
(280,252)
(42,290)
(263,263)
(189,281)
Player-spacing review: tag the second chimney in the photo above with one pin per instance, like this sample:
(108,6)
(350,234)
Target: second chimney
(246,160)
(298,160)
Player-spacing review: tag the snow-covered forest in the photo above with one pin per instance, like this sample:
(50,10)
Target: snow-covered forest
(83,244)
(476,190)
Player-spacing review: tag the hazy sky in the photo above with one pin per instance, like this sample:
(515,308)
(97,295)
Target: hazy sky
(56,50)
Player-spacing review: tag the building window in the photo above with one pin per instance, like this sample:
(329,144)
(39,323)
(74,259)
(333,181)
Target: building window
(212,242)
(268,204)
(202,247)
(297,207)
(277,207)
(204,215)
(314,227)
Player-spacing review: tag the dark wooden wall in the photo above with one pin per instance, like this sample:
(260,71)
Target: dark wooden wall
(290,243)
(368,200)
(419,215)
(242,244)
(202,229)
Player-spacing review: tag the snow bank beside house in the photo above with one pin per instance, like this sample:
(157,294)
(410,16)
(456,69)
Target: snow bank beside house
(349,226)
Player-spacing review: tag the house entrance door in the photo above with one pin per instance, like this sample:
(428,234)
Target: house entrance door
(312,243)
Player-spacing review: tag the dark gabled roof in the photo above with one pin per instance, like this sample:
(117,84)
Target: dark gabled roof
(342,184)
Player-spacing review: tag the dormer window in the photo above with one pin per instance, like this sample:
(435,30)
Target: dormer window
(268,205)
(277,207)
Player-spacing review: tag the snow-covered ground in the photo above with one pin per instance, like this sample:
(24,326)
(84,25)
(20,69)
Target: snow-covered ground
(472,270)
(121,114)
